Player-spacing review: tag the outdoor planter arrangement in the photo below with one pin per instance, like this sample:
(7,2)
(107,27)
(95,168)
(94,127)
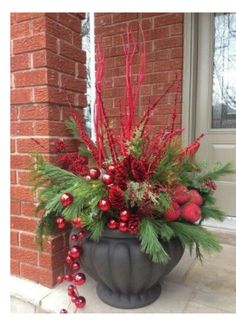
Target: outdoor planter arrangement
(135,198)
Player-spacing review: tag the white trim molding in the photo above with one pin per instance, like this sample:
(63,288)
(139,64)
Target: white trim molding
(189,76)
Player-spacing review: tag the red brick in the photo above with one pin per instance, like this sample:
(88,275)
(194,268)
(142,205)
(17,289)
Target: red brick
(81,71)
(70,83)
(29,145)
(177,52)
(56,260)
(19,96)
(39,112)
(22,128)
(77,41)
(51,128)
(51,43)
(37,77)
(21,193)
(15,267)
(70,21)
(13,177)
(168,19)
(60,64)
(20,62)
(102,20)
(23,223)
(24,255)
(27,16)
(15,207)
(20,30)
(176,29)
(112,30)
(72,52)
(39,25)
(28,208)
(14,113)
(120,17)
(29,44)
(28,241)
(40,58)
(24,178)
(21,161)
(53,95)
(147,24)
(40,275)
(13,145)
(58,30)
(168,43)
(14,238)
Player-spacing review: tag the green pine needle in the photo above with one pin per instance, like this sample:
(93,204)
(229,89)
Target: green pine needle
(149,242)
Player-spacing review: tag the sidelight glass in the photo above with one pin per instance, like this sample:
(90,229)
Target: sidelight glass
(224,71)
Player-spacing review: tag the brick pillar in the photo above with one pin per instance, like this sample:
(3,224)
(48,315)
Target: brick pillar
(164,45)
(48,69)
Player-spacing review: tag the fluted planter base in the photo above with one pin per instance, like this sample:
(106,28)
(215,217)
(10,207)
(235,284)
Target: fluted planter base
(128,301)
(126,276)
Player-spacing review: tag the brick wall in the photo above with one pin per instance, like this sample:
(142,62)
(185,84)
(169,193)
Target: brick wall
(164,45)
(47,65)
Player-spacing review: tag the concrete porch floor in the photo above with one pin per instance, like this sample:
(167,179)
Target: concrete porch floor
(191,287)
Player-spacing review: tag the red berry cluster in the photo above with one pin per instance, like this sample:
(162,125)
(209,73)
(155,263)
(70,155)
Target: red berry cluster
(185,204)
(127,222)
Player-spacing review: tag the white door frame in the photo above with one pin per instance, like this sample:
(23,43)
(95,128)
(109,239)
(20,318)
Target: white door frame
(189,94)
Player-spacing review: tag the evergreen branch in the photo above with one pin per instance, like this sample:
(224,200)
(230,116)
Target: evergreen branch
(72,126)
(217,171)
(191,234)
(45,228)
(211,211)
(149,242)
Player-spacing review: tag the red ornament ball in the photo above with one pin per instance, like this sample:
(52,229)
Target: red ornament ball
(63,311)
(74,298)
(60,279)
(66,199)
(195,197)
(94,173)
(75,266)
(107,179)
(123,226)
(82,234)
(77,222)
(61,223)
(80,302)
(74,237)
(124,215)
(112,224)
(173,213)
(79,279)
(88,177)
(69,260)
(191,212)
(104,204)
(75,252)
(111,169)
(68,277)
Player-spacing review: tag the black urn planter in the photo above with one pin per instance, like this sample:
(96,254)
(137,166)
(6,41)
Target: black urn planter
(126,276)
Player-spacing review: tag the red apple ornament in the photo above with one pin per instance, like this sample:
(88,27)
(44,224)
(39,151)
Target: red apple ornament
(191,212)
(173,213)
(195,197)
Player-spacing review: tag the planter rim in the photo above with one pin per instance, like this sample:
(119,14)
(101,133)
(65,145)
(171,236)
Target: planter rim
(107,233)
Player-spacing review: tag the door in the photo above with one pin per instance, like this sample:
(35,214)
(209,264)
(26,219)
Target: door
(216,99)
